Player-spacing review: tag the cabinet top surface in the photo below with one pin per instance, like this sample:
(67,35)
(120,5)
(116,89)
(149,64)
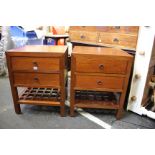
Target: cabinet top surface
(41,48)
(100,51)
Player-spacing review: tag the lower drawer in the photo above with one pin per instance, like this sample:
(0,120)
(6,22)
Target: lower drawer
(36,80)
(129,41)
(99,82)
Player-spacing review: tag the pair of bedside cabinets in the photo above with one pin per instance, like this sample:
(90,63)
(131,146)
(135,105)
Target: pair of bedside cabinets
(99,77)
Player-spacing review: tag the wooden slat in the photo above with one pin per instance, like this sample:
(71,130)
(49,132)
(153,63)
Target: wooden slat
(96,104)
(39,102)
(99,89)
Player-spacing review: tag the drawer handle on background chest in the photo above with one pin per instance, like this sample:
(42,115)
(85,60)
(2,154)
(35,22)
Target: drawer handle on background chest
(115,40)
(99,82)
(117,27)
(101,66)
(35,64)
(82,36)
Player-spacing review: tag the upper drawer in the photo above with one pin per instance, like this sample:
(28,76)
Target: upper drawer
(35,64)
(101,64)
(127,41)
(119,29)
(83,36)
(83,28)
(110,29)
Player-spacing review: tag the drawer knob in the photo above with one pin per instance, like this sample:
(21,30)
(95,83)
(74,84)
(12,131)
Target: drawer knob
(82,36)
(101,66)
(99,82)
(117,27)
(35,68)
(36,79)
(115,40)
(35,64)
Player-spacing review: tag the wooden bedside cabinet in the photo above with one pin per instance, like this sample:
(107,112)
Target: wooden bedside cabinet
(99,78)
(41,70)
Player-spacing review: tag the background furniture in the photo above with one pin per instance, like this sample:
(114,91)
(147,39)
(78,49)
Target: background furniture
(103,71)
(124,37)
(42,70)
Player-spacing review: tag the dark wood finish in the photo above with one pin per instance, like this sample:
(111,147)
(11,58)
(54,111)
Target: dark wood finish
(84,36)
(42,96)
(117,39)
(94,104)
(98,63)
(124,37)
(36,80)
(38,67)
(99,82)
(116,68)
(42,65)
(111,29)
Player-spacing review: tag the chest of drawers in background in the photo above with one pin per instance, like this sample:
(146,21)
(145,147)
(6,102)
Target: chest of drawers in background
(99,78)
(41,70)
(123,37)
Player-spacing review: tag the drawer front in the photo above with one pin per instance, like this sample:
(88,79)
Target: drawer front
(109,29)
(35,64)
(101,64)
(95,82)
(83,36)
(36,79)
(129,41)
(82,28)
(119,29)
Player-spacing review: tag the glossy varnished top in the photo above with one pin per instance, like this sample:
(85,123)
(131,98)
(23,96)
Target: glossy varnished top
(40,48)
(100,51)
(30,50)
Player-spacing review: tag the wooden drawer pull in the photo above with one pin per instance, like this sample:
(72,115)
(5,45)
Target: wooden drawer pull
(35,67)
(99,82)
(101,66)
(117,27)
(115,40)
(36,79)
(35,64)
(82,36)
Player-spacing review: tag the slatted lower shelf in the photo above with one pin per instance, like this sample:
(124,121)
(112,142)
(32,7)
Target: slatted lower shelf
(96,99)
(40,96)
(95,104)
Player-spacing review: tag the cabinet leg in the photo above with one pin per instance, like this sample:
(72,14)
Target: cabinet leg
(62,111)
(17,108)
(119,114)
(72,114)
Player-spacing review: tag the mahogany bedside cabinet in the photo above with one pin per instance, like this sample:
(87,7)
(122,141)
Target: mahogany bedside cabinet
(99,78)
(41,70)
